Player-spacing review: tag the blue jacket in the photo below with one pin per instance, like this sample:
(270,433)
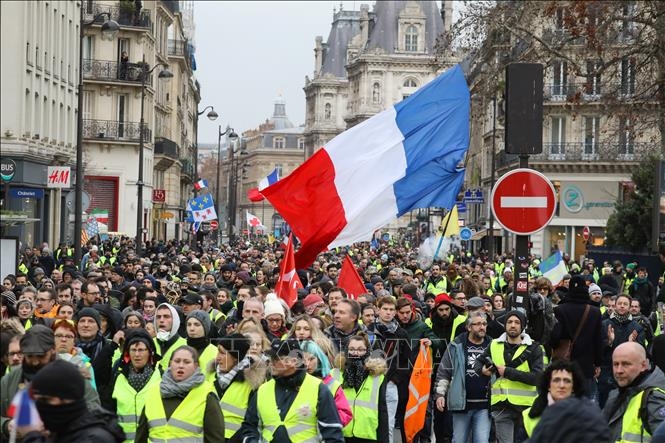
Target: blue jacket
(451,375)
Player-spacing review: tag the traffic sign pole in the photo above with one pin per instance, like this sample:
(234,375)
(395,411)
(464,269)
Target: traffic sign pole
(521,275)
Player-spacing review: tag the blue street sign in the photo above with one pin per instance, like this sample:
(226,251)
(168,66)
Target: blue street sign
(461,207)
(385,237)
(465,234)
(474,196)
(26,193)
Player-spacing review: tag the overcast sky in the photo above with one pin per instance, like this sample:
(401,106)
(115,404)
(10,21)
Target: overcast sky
(247,53)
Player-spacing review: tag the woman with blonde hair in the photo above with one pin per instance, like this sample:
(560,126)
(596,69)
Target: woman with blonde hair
(304,328)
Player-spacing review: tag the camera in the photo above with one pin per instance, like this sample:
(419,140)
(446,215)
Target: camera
(487,361)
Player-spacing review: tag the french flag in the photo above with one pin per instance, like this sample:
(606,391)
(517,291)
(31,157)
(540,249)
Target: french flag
(203,183)
(254,194)
(23,410)
(407,157)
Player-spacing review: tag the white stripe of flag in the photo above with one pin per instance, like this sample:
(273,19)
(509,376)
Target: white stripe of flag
(523,202)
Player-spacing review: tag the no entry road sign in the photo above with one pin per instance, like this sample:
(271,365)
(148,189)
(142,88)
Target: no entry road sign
(523,201)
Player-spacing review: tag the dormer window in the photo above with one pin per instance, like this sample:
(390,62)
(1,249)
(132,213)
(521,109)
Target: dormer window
(411,39)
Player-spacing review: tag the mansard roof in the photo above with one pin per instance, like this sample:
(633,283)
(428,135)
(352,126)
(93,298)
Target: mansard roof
(346,24)
(385,31)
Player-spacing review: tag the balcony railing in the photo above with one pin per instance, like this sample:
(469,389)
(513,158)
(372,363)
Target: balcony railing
(178,48)
(580,152)
(588,91)
(107,70)
(125,16)
(166,147)
(187,168)
(114,130)
(171,5)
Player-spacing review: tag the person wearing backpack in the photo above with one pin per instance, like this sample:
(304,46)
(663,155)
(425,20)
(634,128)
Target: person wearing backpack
(578,312)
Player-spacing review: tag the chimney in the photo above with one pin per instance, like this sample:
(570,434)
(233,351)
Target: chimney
(364,25)
(318,56)
(447,15)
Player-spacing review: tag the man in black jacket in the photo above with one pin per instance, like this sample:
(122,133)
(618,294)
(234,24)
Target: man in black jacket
(63,409)
(588,347)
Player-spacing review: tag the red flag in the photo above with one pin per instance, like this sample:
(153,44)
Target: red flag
(289,282)
(254,195)
(350,281)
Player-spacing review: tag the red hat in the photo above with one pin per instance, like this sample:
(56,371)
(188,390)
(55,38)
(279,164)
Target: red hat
(441,299)
(311,302)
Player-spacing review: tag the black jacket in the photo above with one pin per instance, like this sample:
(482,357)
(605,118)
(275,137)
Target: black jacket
(98,426)
(588,349)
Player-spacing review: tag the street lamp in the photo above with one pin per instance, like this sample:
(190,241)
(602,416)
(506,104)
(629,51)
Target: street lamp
(110,29)
(212,116)
(164,75)
(232,137)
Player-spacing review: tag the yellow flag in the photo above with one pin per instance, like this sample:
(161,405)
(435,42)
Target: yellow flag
(450,223)
(271,239)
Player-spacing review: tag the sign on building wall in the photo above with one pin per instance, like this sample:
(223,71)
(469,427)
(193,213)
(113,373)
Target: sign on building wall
(59,177)
(158,195)
(587,199)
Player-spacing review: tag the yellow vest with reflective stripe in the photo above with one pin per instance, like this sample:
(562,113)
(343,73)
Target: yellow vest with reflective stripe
(529,423)
(234,404)
(164,362)
(632,429)
(130,403)
(364,405)
(186,423)
(515,392)
(300,421)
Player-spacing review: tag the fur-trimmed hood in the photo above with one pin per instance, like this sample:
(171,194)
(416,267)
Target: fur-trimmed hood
(375,365)
(255,375)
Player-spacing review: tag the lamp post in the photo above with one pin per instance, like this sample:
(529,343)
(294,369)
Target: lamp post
(212,116)
(490,236)
(232,137)
(109,29)
(164,74)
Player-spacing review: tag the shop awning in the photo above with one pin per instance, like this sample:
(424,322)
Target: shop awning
(483,232)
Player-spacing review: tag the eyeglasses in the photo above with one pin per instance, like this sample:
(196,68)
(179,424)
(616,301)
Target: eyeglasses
(460,298)
(43,299)
(15,354)
(358,350)
(274,320)
(544,288)
(479,324)
(94,293)
(64,336)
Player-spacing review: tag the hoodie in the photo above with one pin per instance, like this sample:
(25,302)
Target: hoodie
(168,341)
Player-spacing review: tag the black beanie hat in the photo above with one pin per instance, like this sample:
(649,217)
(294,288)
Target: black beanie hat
(138,335)
(518,314)
(49,381)
(90,312)
(235,344)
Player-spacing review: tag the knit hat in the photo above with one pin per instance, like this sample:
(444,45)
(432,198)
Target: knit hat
(38,271)
(441,299)
(203,317)
(244,276)
(376,279)
(25,301)
(9,297)
(49,381)
(311,302)
(631,266)
(578,286)
(273,306)
(235,344)
(138,336)
(90,312)
(594,288)
(519,315)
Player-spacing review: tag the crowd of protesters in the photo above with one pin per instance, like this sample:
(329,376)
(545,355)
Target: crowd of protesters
(193,344)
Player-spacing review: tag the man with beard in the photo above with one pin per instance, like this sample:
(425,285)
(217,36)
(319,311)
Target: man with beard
(637,408)
(226,279)
(516,361)
(282,409)
(167,324)
(38,347)
(64,412)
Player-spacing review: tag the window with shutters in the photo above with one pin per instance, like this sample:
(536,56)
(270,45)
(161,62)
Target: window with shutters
(103,192)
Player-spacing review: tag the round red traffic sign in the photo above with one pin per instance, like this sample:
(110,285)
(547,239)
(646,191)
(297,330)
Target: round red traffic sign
(586,233)
(214,224)
(523,201)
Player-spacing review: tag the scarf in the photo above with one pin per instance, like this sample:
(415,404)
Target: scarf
(639,281)
(391,327)
(622,318)
(138,380)
(198,343)
(171,388)
(355,372)
(93,347)
(225,380)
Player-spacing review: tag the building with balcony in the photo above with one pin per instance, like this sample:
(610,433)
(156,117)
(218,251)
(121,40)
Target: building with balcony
(38,76)
(598,124)
(275,144)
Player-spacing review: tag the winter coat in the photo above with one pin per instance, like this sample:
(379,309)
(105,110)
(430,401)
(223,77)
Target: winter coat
(588,348)
(645,293)
(618,400)
(621,333)
(98,426)
(560,422)
(416,330)
(396,350)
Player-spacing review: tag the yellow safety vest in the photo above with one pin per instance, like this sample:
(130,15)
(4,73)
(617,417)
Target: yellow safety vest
(234,404)
(301,427)
(186,423)
(164,362)
(456,322)
(529,423)
(632,428)
(130,403)
(515,392)
(209,353)
(215,315)
(364,406)
(439,287)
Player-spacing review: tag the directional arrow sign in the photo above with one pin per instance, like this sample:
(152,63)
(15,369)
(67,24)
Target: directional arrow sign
(523,201)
